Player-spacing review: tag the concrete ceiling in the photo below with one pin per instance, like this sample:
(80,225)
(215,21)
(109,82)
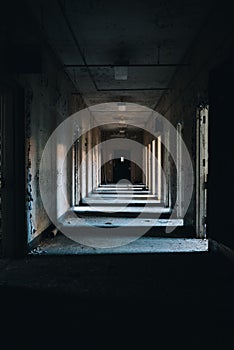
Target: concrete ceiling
(151,37)
(120,115)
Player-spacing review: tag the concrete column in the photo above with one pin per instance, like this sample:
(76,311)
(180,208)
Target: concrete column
(89,166)
(149,167)
(179,169)
(94,164)
(83,166)
(74,175)
(166,169)
(153,168)
(95,158)
(145,179)
(99,157)
(78,157)
(159,168)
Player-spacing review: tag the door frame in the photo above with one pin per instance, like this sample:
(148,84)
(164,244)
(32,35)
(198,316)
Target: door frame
(201,170)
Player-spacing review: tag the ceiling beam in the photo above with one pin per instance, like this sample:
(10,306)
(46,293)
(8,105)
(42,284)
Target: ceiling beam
(125,65)
(135,89)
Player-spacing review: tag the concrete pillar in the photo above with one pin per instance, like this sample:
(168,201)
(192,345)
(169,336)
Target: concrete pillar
(149,167)
(95,158)
(159,168)
(153,167)
(83,166)
(78,159)
(179,169)
(89,167)
(145,175)
(99,158)
(74,174)
(94,163)
(165,194)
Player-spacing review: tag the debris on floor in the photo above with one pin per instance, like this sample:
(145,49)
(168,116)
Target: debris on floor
(37,251)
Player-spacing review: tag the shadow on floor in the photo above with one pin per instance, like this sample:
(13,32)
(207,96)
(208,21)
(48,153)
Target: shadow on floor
(118,301)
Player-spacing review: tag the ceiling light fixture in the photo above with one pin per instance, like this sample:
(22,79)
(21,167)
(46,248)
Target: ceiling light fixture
(121,106)
(121,73)
(122,121)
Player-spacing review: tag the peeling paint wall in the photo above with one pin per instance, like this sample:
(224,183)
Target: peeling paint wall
(48,102)
(28,62)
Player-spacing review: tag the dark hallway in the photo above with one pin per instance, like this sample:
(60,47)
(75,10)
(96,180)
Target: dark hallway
(116,174)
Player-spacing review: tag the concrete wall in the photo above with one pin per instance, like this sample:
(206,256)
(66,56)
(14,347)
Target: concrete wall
(48,100)
(189,86)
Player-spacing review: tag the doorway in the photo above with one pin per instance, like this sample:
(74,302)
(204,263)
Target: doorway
(121,166)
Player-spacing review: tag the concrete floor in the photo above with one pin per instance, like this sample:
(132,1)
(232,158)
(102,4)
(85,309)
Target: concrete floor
(141,295)
(61,245)
(121,194)
(109,221)
(122,209)
(116,200)
(161,301)
(125,195)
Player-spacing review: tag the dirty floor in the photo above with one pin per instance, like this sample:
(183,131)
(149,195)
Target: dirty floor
(159,301)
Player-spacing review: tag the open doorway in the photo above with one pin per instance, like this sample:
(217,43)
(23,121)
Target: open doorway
(121,166)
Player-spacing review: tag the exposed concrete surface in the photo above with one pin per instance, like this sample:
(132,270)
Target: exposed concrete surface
(114,200)
(108,221)
(62,245)
(47,104)
(127,209)
(120,195)
(169,300)
(119,186)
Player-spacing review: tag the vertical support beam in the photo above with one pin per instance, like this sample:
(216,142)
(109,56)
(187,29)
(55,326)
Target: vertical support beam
(87,166)
(201,171)
(89,160)
(83,166)
(94,165)
(149,167)
(153,167)
(146,166)
(198,186)
(99,159)
(179,168)
(78,160)
(74,174)
(95,158)
(166,193)
(159,168)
